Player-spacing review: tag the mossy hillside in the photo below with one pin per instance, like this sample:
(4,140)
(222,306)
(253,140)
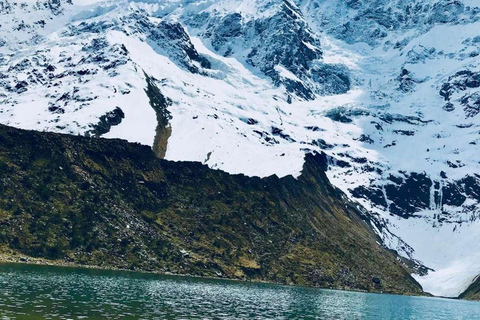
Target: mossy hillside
(473,291)
(115,204)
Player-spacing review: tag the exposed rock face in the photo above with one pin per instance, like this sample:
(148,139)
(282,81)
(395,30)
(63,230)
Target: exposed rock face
(407,195)
(464,88)
(111,203)
(169,38)
(373,21)
(272,43)
(112,118)
(160,104)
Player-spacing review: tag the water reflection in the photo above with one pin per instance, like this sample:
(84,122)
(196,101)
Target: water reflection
(63,293)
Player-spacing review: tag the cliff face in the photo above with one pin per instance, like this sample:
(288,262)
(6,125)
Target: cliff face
(115,204)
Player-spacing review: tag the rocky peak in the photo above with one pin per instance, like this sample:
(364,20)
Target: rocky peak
(373,21)
(278,42)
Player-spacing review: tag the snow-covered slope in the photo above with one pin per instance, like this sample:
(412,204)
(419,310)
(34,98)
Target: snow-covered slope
(388,89)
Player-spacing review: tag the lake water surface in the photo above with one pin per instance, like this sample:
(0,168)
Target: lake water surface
(41,292)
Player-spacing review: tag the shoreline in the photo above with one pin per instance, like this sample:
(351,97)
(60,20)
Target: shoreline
(18,258)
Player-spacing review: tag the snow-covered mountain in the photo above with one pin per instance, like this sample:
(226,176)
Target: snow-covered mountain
(388,89)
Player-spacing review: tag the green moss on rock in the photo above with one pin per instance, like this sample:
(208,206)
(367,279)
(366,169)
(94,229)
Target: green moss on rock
(115,204)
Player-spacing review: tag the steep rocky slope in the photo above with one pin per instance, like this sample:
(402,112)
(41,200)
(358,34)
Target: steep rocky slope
(472,292)
(387,89)
(113,203)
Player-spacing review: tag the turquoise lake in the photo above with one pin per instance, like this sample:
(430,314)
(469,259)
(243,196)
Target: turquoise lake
(42,292)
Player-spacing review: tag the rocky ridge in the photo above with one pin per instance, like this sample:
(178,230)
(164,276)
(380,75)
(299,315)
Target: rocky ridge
(110,203)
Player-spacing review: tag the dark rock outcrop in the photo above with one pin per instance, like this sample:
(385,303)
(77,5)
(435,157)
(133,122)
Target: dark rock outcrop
(280,40)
